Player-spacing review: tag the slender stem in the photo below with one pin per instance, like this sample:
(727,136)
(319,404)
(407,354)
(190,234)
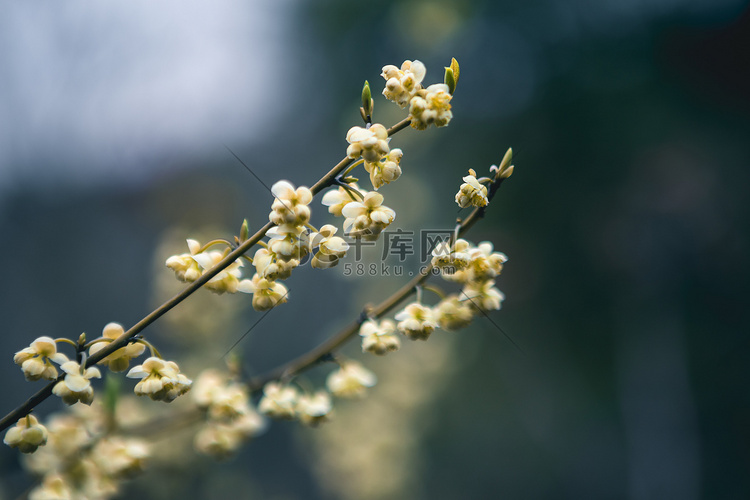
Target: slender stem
(326,181)
(327,348)
(313,356)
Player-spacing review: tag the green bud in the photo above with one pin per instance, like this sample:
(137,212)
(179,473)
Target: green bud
(82,339)
(454,67)
(244,230)
(450,80)
(367,102)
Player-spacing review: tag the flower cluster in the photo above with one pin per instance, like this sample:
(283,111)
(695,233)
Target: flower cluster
(475,267)
(119,360)
(189,267)
(36,360)
(472,192)
(350,380)
(76,386)
(286,402)
(379,338)
(160,380)
(231,419)
(427,106)
(366,219)
(402,84)
(27,435)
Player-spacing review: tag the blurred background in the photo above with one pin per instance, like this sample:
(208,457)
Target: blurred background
(624,223)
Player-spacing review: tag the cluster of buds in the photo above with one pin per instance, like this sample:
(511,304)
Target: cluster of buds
(231,421)
(427,106)
(475,267)
(286,402)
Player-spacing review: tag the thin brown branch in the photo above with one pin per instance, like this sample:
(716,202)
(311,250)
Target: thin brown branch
(326,181)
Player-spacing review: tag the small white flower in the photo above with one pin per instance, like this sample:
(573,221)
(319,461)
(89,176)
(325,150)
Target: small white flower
(279,401)
(472,192)
(368,218)
(76,386)
(484,264)
(267,293)
(27,435)
(36,360)
(350,380)
(379,338)
(402,84)
(416,321)
(483,296)
(186,268)
(452,314)
(314,409)
(431,106)
(117,361)
(330,248)
(190,267)
(290,205)
(371,143)
(386,170)
(222,439)
(268,265)
(288,242)
(119,457)
(224,399)
(337,199)
(451,259)
(160,380)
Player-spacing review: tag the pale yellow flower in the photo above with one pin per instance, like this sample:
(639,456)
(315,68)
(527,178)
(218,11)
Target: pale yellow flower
(222,439)
(330,248)
(431,106)
(160,380)
(368,218)
(350,380)
(337,199)
(76,386)
(484,264)
(371,143)
(120,457)
(472,192)
(117,361)
(268,265)
(452,314)
(279,401)
(386,170)
(288,242)
(27,435)
(416,321)
(314,409)
(267,293)
(186,268)
(36,360)
(190,267)
(379,338)
(451,259)
(483,296)
(290,205)
(402,84)
(224,399)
